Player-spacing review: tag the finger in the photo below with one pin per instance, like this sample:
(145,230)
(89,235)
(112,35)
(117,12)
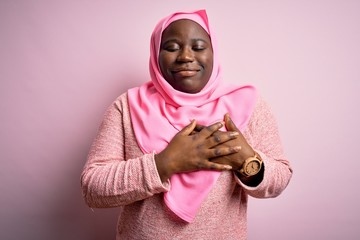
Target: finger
(222,151)
(209,130)
(199,127)
(229,124)
(187,130)
(214,166)
(220,137)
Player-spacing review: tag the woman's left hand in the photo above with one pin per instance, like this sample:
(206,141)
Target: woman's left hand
(235,160)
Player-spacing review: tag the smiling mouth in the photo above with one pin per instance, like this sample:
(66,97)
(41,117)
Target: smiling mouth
(185,73)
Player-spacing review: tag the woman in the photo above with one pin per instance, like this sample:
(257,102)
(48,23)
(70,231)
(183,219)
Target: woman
(180,154)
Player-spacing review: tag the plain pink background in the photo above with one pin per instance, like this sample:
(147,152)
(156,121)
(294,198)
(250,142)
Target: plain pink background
(63,62)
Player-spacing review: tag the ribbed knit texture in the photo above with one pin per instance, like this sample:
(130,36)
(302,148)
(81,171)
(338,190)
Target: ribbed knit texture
(118,174)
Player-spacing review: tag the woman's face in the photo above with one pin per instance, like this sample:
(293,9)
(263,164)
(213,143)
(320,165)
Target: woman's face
(186,56)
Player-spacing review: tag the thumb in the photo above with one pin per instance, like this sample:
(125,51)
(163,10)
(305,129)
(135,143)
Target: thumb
(229,124)
(187,130)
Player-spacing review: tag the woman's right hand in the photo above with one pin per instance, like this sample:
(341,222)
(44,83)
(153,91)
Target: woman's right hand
(191,150)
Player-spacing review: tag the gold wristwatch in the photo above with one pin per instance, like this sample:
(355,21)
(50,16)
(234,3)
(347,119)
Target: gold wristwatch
(251,166)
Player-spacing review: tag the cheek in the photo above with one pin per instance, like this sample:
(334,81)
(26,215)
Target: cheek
(161,60)
(164,62)
(207,62)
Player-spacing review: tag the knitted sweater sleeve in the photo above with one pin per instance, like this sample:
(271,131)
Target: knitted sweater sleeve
(263,135)
(117,173)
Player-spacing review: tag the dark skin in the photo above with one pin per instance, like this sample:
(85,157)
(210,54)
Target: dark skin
(236,160)
(186,62)
(186,56)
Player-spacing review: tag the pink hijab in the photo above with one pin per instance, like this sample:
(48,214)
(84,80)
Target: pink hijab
(158,112)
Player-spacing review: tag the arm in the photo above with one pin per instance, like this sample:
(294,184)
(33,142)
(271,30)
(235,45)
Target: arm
(263,135)
(109,179)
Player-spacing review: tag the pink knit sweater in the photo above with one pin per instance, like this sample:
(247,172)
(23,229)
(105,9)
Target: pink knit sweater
(118,174)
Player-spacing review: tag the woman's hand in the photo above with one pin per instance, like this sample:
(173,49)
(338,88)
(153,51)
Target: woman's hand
(237,159)
(190,150)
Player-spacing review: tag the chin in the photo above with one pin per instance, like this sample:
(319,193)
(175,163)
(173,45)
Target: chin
(187,89)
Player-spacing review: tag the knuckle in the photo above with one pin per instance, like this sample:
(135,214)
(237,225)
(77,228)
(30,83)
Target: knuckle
(217,139)
(217,152)
(199,146)
(194,136)
(200,165)
(212,167)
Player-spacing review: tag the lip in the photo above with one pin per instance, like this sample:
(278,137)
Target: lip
(185,72)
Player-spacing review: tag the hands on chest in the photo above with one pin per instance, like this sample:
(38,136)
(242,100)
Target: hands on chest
(198,147)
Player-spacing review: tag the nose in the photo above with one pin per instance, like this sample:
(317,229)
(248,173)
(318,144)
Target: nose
(185,55)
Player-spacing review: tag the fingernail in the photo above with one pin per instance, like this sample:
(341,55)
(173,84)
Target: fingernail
(227,167)
(237,148)
(234,134)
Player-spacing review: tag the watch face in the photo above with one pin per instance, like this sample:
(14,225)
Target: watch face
(252,167)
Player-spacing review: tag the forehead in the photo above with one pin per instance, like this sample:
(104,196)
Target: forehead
(185,28)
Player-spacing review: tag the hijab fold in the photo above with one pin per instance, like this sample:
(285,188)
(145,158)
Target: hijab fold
(158,112)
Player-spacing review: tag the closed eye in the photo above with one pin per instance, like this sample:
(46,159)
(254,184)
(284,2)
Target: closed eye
(199,45)
(198,48)
(170,46)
